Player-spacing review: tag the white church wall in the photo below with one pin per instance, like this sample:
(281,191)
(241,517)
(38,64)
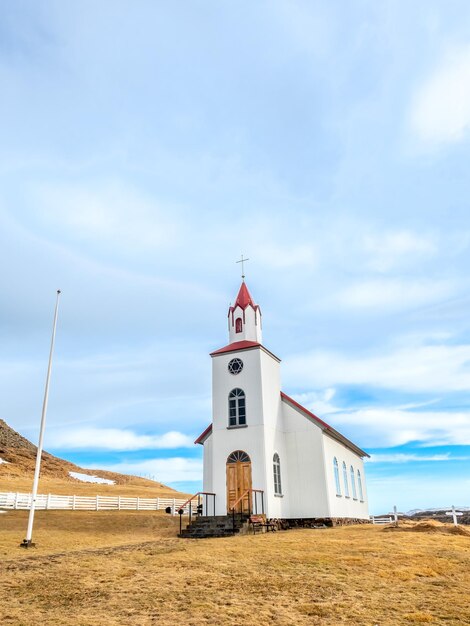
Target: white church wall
(249,379)
(307,490)
(277,506)
(207,480)
(343,505)
(248,438)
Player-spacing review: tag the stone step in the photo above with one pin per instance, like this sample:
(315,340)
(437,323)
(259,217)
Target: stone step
(187,533)
(217,526)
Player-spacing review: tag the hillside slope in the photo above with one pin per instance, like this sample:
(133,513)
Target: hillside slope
(17,462)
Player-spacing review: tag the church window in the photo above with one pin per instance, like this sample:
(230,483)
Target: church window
(345,480)
(353,483)
(235,366)
(238,325)
(277,475)
(236,408)
(359,485)
(338,486)
(238,457)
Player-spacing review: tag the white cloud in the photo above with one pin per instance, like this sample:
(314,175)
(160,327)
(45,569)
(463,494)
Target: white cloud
(411,458)
(393,294)
(440,111)
(320,401)
(116,439)
(389,427)
(175,469)
(410,368)
(110,213)
(278,256)
(388,250)
(385,427)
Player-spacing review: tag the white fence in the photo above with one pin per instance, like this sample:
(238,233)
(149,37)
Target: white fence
(12,500)
(381,520)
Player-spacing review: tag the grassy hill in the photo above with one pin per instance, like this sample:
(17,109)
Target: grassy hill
(17,469)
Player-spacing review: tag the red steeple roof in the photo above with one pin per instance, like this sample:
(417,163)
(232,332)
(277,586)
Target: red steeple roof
(244,299)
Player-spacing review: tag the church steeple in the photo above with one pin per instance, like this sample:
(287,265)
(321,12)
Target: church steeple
(244,318)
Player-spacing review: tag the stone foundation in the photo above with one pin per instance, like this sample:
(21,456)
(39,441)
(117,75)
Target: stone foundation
(316,522)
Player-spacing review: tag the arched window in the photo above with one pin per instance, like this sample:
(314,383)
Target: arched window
(277,475)
(345,480)
(236,408)
(238,325)
(238,457)
(353,483)
(359,484)
(338,486)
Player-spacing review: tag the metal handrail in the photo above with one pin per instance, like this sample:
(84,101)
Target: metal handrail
(199,493)
(199,505)
(248,491)
(232,508)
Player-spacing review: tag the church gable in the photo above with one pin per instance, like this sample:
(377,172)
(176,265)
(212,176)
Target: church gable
(326,428)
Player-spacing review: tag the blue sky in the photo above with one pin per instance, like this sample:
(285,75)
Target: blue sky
(146,145)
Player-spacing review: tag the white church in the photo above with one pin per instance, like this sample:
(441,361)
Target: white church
(265,452)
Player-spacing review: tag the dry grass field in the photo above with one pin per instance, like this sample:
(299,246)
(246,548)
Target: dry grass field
(130,568)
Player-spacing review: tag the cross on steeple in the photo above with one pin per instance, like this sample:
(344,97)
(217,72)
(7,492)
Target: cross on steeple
(242,261)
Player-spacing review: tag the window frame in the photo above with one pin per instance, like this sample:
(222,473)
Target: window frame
(345,480)
(336,473)
(277,474)
(359,486)
(353,483)
(236,408)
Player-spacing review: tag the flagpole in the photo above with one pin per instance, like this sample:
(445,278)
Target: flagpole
(27,543)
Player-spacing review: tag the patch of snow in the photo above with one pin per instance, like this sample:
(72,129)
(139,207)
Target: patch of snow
(2,461)
(86,478)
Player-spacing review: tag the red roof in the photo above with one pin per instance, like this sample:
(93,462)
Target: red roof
(203,436)
(237,345)
(243,300)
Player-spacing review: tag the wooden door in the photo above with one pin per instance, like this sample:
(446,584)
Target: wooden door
(238,481)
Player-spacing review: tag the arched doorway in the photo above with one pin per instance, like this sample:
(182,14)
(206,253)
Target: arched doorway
(238,480)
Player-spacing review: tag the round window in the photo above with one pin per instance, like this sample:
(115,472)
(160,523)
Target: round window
(235,366)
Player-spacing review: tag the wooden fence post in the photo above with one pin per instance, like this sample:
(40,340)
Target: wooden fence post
(15,505)
(138,504)
(119,503)
(48,501)
(73,503)
(97,503)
